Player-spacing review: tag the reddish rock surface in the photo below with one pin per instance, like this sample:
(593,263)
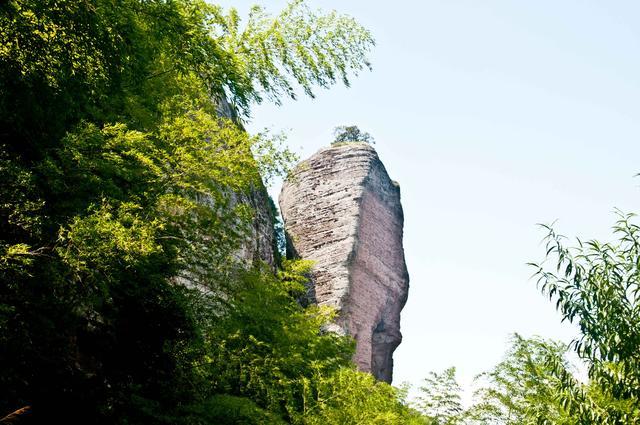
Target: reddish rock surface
(341,210)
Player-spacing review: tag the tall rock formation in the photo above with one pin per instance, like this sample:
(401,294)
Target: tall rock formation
(341,210)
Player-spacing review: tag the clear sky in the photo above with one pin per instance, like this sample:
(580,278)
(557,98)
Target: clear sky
(493,116)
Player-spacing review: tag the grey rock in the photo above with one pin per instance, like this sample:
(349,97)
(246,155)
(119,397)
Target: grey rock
(259,245)
(257,242)
(341,210)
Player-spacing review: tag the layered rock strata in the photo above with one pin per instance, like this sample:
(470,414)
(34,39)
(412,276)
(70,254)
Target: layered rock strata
(341,210)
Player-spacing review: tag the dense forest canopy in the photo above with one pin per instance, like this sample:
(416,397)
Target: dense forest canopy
(122,299)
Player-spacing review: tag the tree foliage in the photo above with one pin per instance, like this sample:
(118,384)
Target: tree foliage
(522,388)
(351,134)
(533,384)
(121,298)
(299,45)
(597,286)
(269,349)
(440,397)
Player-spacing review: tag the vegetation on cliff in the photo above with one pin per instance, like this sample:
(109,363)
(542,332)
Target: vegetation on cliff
(122,300)
(351,134)
(121,297)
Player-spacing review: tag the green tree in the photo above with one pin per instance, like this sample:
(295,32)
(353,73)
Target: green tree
(350,397)
(351,134)
(440,397)
(264,342)
(522,389)
(268,354)
(596,285)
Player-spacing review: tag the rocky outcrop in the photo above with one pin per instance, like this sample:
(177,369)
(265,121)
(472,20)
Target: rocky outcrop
(341,210)
(259,245)
(258,241)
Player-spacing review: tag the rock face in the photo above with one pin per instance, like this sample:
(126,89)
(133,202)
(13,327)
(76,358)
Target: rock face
(260,243)
(341,210)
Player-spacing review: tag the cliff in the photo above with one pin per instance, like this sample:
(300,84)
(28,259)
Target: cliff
(260,242)
(341,210)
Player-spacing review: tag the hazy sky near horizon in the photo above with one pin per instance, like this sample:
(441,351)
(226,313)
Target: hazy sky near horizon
(493,116)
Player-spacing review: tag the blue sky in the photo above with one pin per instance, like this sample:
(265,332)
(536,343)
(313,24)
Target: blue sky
(493,116)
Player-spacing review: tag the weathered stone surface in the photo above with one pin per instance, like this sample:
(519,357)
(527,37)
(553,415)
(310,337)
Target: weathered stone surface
(341,210)
(259,244)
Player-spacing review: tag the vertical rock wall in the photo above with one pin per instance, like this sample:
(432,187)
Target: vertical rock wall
(260,243)
(341,210)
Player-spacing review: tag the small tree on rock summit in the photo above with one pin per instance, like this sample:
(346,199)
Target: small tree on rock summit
(351,134)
